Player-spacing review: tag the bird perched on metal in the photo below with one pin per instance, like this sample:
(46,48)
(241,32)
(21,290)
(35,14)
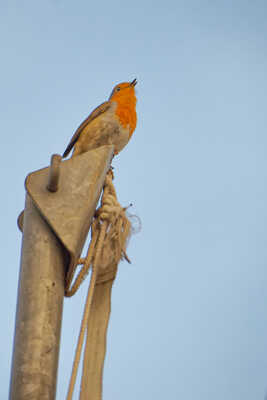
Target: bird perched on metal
(113,122)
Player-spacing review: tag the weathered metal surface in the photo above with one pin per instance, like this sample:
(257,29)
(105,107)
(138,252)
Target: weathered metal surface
(69,211)
(54,173)
(55,225)
(20,221)
(39,310)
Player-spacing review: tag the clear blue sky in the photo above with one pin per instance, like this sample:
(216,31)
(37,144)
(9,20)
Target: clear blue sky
(189,315)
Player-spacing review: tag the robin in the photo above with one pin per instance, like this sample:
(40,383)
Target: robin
(113,122)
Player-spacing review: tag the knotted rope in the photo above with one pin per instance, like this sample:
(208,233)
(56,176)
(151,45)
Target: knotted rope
(109,233)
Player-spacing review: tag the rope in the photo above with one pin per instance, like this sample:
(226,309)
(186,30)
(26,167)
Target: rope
(109,233)
(116,238)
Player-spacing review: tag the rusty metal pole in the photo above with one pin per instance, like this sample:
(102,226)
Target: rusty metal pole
(39,310)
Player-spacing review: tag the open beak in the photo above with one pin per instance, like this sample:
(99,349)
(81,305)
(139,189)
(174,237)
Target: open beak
(133,83)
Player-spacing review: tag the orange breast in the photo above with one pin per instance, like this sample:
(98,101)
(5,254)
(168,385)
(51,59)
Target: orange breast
(126,113)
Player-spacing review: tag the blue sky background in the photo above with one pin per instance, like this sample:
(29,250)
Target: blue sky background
(189,315)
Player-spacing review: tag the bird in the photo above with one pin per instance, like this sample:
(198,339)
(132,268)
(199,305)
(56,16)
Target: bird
(111,123)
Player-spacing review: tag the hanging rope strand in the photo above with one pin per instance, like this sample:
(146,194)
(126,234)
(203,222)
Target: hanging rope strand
(87,307)
(109,233)
(86,263)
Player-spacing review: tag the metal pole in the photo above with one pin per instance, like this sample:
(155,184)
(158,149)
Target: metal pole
(39,310)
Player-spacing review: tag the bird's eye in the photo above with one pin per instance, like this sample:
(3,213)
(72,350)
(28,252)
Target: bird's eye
(118,89)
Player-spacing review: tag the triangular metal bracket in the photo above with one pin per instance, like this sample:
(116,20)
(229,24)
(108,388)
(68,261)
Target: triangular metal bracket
(69,210)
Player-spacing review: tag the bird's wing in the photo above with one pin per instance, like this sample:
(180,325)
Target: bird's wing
(94,114)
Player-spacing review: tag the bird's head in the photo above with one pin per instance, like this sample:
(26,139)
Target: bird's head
(123,90)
